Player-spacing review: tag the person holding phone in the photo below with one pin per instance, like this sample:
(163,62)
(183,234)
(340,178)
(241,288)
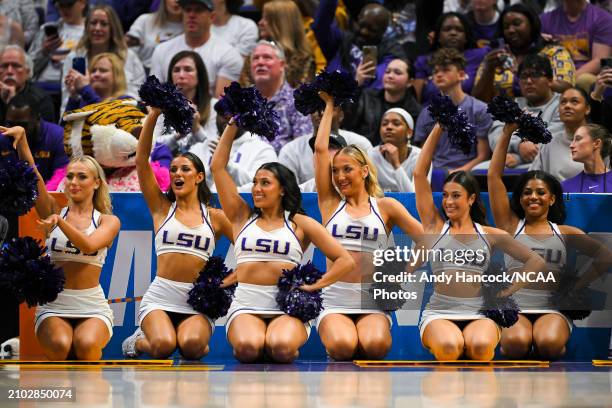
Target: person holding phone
(55,40)
(601,95)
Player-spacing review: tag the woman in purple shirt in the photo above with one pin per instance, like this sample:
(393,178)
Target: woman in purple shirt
(591,146)
(452,31)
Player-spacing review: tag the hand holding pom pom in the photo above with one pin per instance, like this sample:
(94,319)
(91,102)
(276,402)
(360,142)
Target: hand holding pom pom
(207,296)
(571,301)
(249,110)
(178,113)
(461,133)
(497,304)
(28,274)
(296,296)
(18,187)
(340,85)
(530,127)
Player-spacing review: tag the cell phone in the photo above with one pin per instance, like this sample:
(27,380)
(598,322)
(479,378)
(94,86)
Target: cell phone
(51,30)
(606,63)
(370,53)
(79,64)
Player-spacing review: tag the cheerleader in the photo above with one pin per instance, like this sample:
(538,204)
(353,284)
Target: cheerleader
(533,216)
(186,230)
(270,237)
(361,220)
(79,323)
(452,323)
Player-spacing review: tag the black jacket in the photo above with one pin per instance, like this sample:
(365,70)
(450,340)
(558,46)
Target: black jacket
(38,98)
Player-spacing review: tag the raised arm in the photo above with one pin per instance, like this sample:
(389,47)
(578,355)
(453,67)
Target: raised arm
(498,195)
(45,204)
(102,237)
(428,212)
(221,225)
(326,193)
(399,216)
(342,262)
(234,206)
(156,201)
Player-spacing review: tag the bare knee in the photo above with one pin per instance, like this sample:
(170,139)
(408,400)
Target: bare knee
(549,347)
(375,346)
(87,348)
(282,351)
(193,347)
(341,348)
(447,349)
(515,345)
(161,347)
(480,349)
(57,346)
(247,351)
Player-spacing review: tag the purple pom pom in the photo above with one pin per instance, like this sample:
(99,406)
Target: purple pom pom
(503,310)
(28,274)
(294,301)
(461,133)
(178,113)
(207,296)
(250,110)
(18,187)
(339,84)
(531,128)
(570,301)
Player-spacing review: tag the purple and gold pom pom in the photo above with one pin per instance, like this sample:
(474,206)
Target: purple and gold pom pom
(531,128)
(461,133)
(295,301)
(28,274)
(207,296)
(18,187)
(338,84)
(250,110)
(178,113)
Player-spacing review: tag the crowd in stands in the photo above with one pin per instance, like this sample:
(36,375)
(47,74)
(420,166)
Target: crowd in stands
(553,57)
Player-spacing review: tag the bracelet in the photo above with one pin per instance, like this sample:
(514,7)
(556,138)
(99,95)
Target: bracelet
(598,99)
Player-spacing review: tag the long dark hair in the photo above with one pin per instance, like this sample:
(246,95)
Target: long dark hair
(292,199)
(202,96)
(556,212)
(204,194)
(470,40)
(468,181)
(535,38)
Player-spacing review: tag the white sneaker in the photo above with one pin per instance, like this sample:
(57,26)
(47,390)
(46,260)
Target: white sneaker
(129,344)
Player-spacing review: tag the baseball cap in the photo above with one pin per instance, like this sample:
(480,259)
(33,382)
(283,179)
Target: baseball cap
(335,142)
(206,3)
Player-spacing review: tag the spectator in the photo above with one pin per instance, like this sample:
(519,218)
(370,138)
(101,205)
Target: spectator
(483,18)
(23,13)
(452,31)
(106,80)
(151,29)
(366,114)
(49,51)
(103,33)
(296,154)
(10,32)
(395,158)
(268,72)
(345,50)
(555,157)
(535,79)
(591,147)
(520,29)
(223,62)
(248,153)
(448,73)
(586,31)
(15,73)
(239,32)
(601,99)
(308,9)
(281,22)
(188,73)
(46,140)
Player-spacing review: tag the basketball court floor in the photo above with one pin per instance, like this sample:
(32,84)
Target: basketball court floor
(308,384)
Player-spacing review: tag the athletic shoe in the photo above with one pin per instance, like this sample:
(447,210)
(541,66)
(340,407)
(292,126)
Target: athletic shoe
(129,344)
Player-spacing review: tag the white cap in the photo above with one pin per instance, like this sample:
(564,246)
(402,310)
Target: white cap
(405,115)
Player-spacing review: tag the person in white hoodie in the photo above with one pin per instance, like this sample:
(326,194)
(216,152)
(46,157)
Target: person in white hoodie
(395,158)
(248,153)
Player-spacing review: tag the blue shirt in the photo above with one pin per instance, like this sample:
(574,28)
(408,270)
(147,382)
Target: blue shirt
(49,154)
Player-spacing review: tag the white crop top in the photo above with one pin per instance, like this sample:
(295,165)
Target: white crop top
(363,234)
(552,248)
(175,237)
(254,244)
(61,249)
(454,255)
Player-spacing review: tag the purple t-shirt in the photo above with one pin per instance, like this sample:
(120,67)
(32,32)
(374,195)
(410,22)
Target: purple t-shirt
(588,183)
(446,155)
(484,34)
(594,25)
(473,58)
